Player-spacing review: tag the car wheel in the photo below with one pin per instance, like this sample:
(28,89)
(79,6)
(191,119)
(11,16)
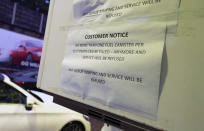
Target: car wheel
(73,126)
(29,58)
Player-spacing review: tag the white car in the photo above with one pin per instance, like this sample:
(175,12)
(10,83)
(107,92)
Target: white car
(22,111)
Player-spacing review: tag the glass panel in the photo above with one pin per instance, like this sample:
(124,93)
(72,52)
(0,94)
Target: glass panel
(10,95)
(32,44)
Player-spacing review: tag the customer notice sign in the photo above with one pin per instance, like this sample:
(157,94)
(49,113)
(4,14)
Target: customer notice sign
(115,65)
(114,52)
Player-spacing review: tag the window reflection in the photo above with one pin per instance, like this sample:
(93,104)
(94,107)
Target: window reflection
(10,95)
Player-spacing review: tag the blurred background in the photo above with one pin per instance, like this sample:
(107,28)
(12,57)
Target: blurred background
(24,16)
(22,28)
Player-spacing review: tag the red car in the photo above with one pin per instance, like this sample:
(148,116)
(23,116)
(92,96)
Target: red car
(26,51)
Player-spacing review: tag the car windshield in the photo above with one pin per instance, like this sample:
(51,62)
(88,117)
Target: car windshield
(34,44)
(3,85)
(9,94)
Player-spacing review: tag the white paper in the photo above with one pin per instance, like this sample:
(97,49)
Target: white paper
(115,65)
(91,11)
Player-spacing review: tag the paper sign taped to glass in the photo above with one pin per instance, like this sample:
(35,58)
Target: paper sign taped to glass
(117,66)
(91,11)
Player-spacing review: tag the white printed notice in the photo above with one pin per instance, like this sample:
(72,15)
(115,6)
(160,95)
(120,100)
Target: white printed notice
(117,66)
(88,11)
